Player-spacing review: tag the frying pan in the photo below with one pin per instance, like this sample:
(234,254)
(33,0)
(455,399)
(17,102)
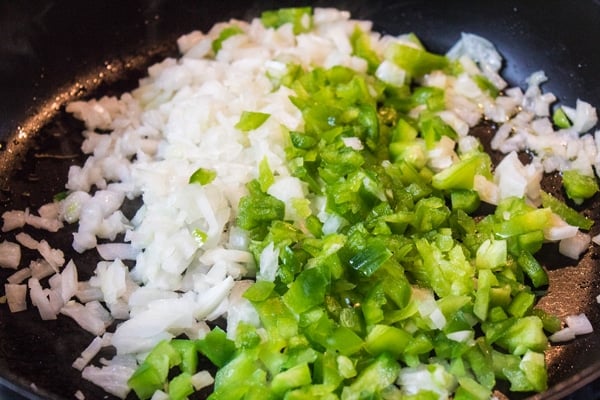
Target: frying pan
(52,52)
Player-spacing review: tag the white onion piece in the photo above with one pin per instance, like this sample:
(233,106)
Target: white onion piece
(55,257)
(88,353)
(563,335)
(49,224)
(202,379)
(92,317)
(580,324)
(69,284)
(113,251)
(112,378)
(40,299)
(10,255)
(574,246)
(159,395)
(40,269)
(13,219)
(19,276)
(16,296)
(27,241)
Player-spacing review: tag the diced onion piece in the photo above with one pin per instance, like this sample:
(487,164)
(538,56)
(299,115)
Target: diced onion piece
(112,378)
(202,379)
(13,219)
(16,296)
(92,317)
(113,251)
(19,276)
(574,246)
(27,241)
(10,255)
(580,324)
(563,335)
(88,353)
(40,299)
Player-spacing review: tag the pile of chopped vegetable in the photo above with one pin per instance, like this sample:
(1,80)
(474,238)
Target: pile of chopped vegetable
(356,261)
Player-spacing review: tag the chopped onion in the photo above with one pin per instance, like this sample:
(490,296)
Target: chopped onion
(112,378)
(113,251)
(16,296)
(13,219)
(27,241)
(10,255)
(580,324)
(574,246)
(563,335)
(202,379)
(19,276)
(88,353)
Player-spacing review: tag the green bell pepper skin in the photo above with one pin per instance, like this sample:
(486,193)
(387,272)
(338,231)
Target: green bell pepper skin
(416,62)
(560,119)
(145,381)
(203,176)
(216,347)
(579,186)
(180,387)
(224,35)
(378,375)
(251,120)
(568,214)
(299,17)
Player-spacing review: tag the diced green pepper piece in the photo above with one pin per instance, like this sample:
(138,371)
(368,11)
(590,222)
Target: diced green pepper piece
(258,209)
(296,376)
(533,366)
(486,85)
(361,47)
(464,199)
(521,304)
(462,174)
(299,17)
(251,120)
(386,338)
(378,375)
(568,214)
(537,219)
(579,186)
(344,341)
(470,389)
(416,62)
(371,258)
(265,175)
(163,356)
(189,354)
(203,176)
(224,35)
(550,322)
(259,291)
(216,347)
(524,334)
(533,269)
(307,291)
(145,381)
(180,387)
(560,119)
(492,254)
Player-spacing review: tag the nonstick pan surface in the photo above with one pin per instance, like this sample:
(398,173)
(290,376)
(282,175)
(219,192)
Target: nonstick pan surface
(52,52)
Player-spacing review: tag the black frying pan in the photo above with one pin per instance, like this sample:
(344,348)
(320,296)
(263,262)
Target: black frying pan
(52,52)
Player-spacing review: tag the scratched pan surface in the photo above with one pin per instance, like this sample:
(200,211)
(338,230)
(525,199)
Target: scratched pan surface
(52,52)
